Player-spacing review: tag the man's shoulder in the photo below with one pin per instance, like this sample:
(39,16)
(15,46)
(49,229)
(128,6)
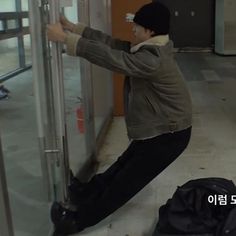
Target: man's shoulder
(157,49)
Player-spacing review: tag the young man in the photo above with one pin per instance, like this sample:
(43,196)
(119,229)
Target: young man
(158,112)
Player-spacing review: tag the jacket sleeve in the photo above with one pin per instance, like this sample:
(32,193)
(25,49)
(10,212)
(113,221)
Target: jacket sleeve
(97,35)
(142,64)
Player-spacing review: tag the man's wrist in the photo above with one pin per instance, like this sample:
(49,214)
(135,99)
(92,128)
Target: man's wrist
(71,26)
(71,41)
(63,37)
(79,28)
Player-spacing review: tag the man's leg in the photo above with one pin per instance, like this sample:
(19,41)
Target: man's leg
(86,192)
(124,179)
(145,161)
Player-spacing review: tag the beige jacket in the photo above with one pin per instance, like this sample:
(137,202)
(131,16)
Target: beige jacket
(156,97)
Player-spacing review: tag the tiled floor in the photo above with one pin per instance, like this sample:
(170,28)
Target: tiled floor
(212,150)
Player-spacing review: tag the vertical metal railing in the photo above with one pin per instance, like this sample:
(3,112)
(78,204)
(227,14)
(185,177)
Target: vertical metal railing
(21,47)
(59,100)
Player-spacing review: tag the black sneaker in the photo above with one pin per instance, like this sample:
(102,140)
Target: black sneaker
(3,95)
(4,89)
(65,220)
(78,191)
(83,193)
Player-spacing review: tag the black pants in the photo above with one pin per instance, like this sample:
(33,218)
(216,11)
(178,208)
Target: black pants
(135,168)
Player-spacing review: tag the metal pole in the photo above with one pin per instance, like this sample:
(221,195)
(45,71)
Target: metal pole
(6,225)
(59,101)
(21,48)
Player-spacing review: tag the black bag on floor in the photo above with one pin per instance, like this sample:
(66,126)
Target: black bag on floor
(189,212)
(228,227)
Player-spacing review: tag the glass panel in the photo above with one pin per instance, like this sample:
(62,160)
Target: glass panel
(22,158)
(11,24)
(102,79)
(27,45)
(74,113)
(25,22)
(24,5)
(74,108)
(9,59)
(1,25)
(72,12)
(7,5)
(102,86)
(5,213)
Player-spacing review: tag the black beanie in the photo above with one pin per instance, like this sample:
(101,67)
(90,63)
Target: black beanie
(154,16)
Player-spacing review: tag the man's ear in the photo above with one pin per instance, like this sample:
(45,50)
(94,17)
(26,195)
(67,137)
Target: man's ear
(153,33)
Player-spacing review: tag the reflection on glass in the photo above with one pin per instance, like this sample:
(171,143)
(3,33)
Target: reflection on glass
(12,24)
(7,5)
(72,12)
(24,5)
(27,45)
(73,95)
(102,92)
(76,138)
(22,160)
(102,82)
(25,22)
(9,59)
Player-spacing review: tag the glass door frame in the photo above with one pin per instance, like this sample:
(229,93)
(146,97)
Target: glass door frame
(6,224)
(57,99)
(50,100)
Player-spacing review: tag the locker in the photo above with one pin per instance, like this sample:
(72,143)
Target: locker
(192,22)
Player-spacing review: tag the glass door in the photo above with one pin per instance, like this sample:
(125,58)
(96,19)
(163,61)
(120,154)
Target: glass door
(50,99)
(60,91)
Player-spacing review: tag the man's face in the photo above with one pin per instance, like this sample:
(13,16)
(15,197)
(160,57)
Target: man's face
(141,34)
